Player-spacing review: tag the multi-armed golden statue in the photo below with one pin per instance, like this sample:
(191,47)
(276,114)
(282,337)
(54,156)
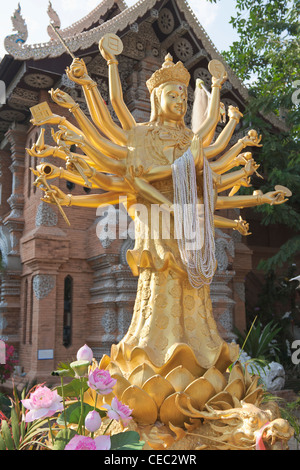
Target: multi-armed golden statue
(172,365)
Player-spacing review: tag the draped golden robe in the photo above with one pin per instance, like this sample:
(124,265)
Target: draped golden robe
(172,322)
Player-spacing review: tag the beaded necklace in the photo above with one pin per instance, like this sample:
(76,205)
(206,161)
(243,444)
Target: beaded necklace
(196,243)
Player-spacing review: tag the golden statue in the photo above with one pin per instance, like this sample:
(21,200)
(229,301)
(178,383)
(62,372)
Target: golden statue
(172,365)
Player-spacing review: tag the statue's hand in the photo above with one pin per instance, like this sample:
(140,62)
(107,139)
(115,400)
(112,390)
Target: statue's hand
(234,113)
(56,195)
(251,167)
(62,98)
(242,227)
(47,151)
(68,137)
(219,81)
(251,139)
(78,73)
(72,164)
(48,170)
(54,119)
(106,54)
(274,198)
(243,158)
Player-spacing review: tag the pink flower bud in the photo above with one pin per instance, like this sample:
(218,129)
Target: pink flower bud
(93,421)
(85,354)
(101,381)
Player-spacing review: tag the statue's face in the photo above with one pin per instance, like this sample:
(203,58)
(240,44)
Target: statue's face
(173,103)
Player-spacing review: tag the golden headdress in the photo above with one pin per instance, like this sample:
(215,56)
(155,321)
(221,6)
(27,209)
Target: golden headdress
(169,72)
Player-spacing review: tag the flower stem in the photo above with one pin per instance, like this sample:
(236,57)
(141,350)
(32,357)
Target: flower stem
(108,426)
(63,399)
(80,422)
(51,433)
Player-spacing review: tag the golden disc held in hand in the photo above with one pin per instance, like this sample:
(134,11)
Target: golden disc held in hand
(216,69)
(286,191)
(111,44)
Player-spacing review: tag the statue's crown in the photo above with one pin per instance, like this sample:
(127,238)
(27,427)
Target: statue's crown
(169,72)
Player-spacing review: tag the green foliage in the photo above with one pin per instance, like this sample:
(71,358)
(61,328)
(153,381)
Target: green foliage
(15,434)
(126,441)
(259,343)
(266,57)
(73,413)
(62,438)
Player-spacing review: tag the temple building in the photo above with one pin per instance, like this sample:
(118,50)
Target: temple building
(61,286)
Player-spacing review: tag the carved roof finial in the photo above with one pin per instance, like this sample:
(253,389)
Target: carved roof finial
(20,26)
(54,19)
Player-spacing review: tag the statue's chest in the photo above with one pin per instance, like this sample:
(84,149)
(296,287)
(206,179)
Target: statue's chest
(151,147)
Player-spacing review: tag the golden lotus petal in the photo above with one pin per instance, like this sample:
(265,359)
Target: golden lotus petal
(104,362)
(236,402)
(254,397)
(254,385)
(90,397)
(140,374)
(170,413)
(236,388)
(143,406)
(158,388)
(180,378)
(236,373)
(216,378)
(221,405)
(200,391)
(121,385)
(221,397)
(113,368)
(248,377)
(107,399)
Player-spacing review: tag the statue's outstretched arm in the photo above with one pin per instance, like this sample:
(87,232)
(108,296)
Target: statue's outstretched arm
(96,179)
(41,150)
(223,139)
(50,171)
(233,178)
(240,225)
(97,106)
(227,161)
(103,163)
(115,88)
(56,120)
(231,159)
(56,195)
(272,198)
(110,149)
(208,126)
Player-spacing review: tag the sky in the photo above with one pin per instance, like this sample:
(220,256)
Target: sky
(214,17)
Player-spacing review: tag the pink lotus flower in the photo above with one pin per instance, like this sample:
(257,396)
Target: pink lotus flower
(42,403)
(118,411)
(87,443)
(92,421)
(101,381)
(85,354)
